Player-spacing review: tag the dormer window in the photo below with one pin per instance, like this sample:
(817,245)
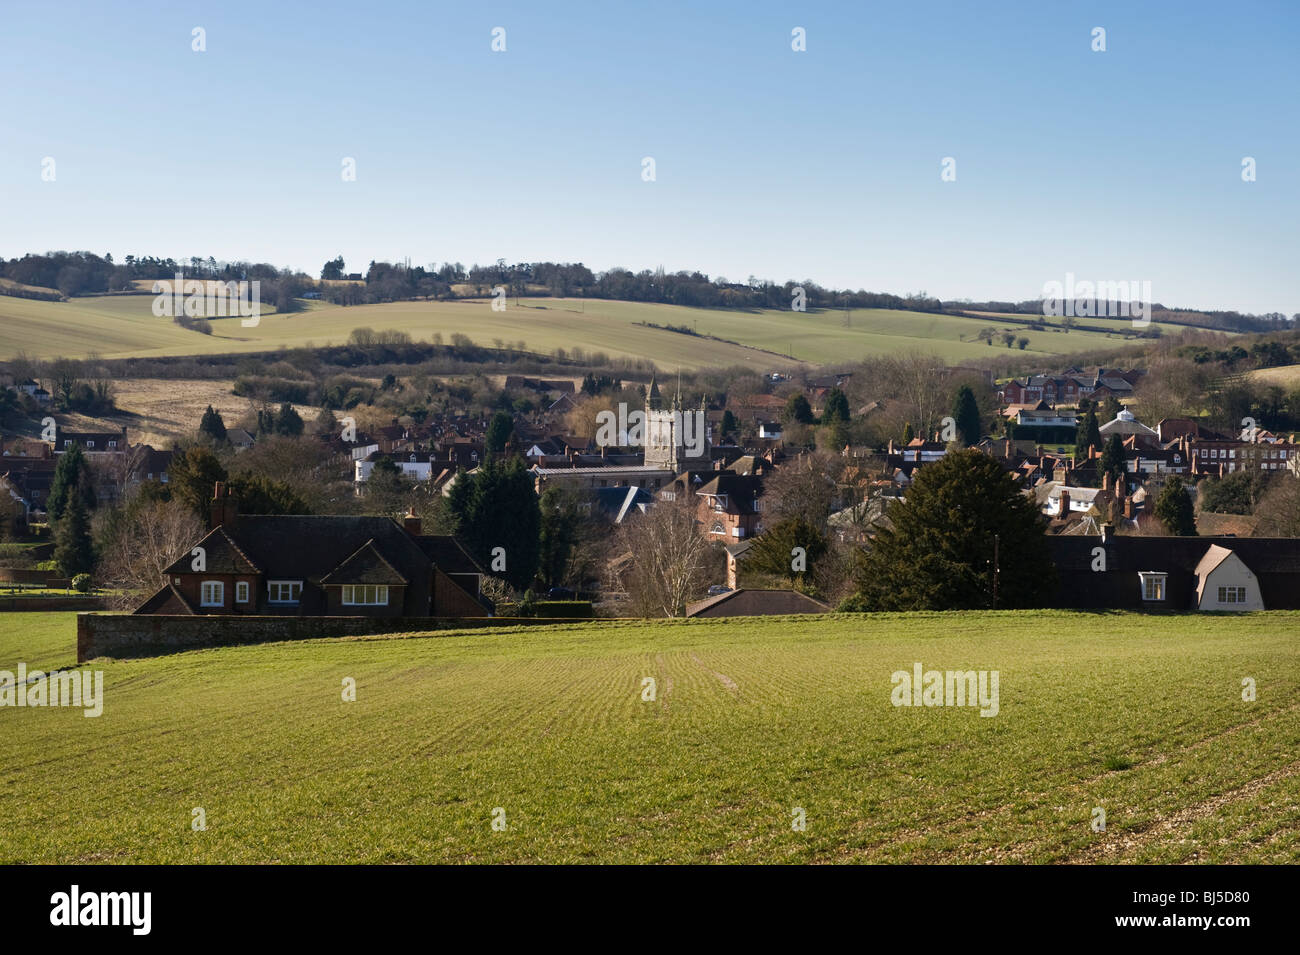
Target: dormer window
(1153,584)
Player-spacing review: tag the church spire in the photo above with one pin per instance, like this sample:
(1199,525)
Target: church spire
(654,401)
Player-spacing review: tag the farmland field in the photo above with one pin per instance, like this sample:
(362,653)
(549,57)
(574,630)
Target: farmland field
(1139,715)
(1285,376)
(124,326)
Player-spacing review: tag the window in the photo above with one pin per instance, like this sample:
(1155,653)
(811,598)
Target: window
(112,445)
(1153,584)
(241,592)
(284,591)
(90,444)
(1232,595)
(213,594)
(355,595)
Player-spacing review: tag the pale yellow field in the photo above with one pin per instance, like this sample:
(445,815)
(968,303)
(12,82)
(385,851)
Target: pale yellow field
(124,326)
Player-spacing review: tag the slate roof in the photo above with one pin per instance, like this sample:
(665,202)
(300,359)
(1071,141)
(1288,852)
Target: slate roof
(221,556)
(448,555)
(366,566)
(756,603)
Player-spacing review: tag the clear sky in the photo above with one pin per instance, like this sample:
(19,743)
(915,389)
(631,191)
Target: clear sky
(823,164)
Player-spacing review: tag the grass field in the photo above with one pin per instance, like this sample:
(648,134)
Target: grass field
(1286,376)
(124,326)
(1141,716)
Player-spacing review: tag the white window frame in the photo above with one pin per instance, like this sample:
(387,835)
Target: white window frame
(1155,585)
(273,589)
(241,591)
(218,588)
(365,595)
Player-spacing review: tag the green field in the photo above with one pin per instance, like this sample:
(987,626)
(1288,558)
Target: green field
(124,326)
(1139,715)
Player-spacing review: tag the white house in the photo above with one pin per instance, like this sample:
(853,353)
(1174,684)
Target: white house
(414,465)
(1224,582)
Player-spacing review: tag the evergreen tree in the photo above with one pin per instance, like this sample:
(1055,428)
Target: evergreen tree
(908,433)
(191,477)
(212,425)
(728,423)
(71,471)
(967,415)
(1175,510)
(789,549)
(1112,460)
(836,407)
(1088,434)
(288,422)
(499,430)
(939,552)
(797,409)
(74,553)
(557,536)
(496,507)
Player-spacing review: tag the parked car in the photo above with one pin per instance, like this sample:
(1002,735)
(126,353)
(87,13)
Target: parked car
(560,593)
(718,589)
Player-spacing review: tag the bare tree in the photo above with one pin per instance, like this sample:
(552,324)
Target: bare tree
(919,385)
(670,558)
(1279,510)
(150,536)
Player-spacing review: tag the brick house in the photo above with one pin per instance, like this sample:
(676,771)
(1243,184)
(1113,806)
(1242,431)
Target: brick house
(729,506)
(318,566)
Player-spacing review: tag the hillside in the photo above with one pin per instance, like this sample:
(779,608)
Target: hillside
(1139,715)
(123,326)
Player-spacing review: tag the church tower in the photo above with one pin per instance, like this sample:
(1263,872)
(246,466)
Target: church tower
(674,438)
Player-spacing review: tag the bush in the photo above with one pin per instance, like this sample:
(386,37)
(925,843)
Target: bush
(81,583)
(564,608)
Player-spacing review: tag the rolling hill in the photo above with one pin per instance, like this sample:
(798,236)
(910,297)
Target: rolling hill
(123,326)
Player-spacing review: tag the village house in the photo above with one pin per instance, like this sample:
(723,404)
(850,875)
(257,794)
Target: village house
(318,566)
(730,506)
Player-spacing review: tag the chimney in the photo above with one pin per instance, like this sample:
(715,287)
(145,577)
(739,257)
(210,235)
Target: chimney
(223,510)
(1128,508)
(1105,481)
(411,523)
(1065,503)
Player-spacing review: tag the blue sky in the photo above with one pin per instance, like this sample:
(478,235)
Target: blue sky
(824,164)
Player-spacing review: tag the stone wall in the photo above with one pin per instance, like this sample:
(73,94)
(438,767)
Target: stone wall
(145,635)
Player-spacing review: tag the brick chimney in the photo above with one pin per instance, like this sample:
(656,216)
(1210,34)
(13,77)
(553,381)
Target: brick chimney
(1128,508)
(1065,503)
(1105,481)
(223,509)
(411,523)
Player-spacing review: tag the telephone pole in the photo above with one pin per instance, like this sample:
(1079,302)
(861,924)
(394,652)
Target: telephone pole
(996,571)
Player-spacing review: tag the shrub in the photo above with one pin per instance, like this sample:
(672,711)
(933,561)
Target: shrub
(81,583)
(564,608)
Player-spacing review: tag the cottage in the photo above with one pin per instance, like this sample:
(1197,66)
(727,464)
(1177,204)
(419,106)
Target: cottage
(318,566)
